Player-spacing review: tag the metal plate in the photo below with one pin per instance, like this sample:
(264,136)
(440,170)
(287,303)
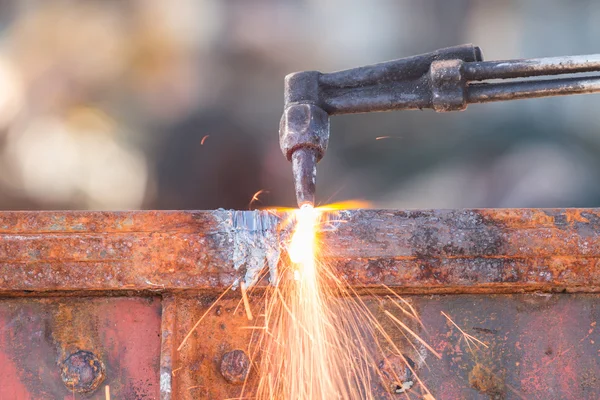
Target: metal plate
(168,268)
(421,251)
(540,346)
(38,335)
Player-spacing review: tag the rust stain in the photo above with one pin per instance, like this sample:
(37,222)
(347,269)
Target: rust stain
(452,251)
(73,329)
(486,382)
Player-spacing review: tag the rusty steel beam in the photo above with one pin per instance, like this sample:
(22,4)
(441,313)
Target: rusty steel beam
(460,251)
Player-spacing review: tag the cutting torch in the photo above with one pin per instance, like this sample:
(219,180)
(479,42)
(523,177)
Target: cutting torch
(444,80)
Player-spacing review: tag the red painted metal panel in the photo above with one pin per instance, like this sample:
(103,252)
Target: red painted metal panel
(38,335)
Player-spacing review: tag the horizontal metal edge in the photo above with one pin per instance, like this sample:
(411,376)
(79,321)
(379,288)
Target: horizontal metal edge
(434,251)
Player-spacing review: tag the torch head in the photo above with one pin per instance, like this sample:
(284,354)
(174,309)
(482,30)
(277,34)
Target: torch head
(303,137)
(304,170)
(303,132)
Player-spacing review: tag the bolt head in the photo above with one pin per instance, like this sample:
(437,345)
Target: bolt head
(82,371)
(235,366)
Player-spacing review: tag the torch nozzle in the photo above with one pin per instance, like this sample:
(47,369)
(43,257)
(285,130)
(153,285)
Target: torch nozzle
(303,137)
(304,168)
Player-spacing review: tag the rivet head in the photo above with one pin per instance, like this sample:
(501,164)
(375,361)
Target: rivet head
(235,366)
(82,371)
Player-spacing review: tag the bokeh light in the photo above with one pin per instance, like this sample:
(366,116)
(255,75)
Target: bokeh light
(104,104)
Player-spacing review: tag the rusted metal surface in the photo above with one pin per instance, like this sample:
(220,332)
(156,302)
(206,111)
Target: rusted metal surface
(539,347)
(235,366)
(154,251)
(82,371)
(470,250)
(465,251)
(167,346)
(47,343)
(197,366)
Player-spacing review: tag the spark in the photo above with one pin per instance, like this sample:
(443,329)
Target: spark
(202,317)
(255,197)
(315,337)
(260,328)
(107,392)
(388,137)
(469,339)
(318,336)
(315,360)
(412,314)
(406,328)
(246,302)
(204,140)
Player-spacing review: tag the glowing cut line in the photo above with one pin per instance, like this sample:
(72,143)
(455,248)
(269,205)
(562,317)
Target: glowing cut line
(302,246)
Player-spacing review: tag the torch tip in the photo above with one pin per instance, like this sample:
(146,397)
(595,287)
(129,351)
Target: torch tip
(304,168)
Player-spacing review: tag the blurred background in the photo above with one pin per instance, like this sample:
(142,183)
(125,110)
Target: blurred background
(176,105)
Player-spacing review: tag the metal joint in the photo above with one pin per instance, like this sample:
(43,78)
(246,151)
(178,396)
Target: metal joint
(304,126)
(448,85)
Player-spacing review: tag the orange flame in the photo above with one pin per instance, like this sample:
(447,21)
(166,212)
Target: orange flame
(342,205)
